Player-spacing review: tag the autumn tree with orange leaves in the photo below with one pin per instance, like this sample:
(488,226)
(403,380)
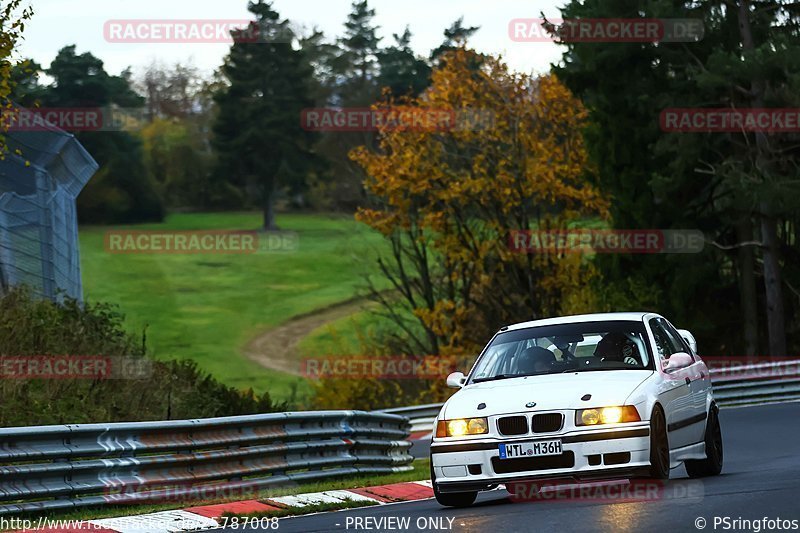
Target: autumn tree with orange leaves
(448,199)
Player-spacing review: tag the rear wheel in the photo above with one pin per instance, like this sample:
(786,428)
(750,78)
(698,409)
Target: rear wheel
(452,499)
(659,446)
(712,464)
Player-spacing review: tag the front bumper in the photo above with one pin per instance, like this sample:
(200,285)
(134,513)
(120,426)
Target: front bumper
(597,453)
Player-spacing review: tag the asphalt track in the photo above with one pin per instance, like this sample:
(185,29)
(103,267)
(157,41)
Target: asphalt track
(760,478)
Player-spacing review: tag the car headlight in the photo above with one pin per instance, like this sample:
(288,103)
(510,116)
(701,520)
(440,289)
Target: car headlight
(606,415)
(459,427)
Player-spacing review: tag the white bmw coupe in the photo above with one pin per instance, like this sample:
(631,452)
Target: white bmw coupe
(604,396)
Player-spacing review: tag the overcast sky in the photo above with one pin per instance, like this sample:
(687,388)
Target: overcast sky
(57,23)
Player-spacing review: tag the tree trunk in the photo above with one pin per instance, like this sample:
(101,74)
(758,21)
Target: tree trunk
(769,232)
(772,283)
(747,285)
(269,207)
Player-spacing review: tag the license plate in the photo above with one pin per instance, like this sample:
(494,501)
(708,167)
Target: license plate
(530,449)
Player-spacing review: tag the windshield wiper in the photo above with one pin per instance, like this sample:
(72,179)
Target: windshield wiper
(498,376)
(595,368)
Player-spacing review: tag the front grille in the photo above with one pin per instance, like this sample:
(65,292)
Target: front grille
(512,425)
(528,464)
(547,423)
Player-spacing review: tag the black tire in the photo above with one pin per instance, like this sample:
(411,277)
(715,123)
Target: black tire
(659,445)
(712,464)
(452,499)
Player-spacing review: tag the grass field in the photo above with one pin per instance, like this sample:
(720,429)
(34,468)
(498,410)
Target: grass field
(341,337)
(207,306)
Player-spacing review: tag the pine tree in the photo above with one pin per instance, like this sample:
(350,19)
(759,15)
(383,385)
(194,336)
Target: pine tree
(358,61)
(455,36)
(400,70)
(258,137)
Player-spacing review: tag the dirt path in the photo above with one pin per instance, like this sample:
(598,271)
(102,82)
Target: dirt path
(276,348)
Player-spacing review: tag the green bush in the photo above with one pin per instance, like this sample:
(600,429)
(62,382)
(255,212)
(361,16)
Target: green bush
(174,390)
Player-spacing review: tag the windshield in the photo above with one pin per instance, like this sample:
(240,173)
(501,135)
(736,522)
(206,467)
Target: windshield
(581,347)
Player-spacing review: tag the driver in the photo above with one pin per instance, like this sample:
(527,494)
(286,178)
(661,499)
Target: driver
(535,360)
(617,347)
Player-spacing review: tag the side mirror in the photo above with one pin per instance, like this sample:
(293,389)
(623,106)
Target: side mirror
(456,380)
(677,361)
(689,338)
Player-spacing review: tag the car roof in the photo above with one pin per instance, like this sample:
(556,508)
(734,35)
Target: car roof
(573,319)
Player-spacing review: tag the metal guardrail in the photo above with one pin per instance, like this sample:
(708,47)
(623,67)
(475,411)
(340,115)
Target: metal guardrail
(741,385)
(421,416)
(418,411)
(769,382)
(68,466)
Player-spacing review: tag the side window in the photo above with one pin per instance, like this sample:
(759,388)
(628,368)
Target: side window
(663,345)
(675,339)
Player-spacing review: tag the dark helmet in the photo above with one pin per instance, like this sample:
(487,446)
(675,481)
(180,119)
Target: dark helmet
(616,346)
(533,357)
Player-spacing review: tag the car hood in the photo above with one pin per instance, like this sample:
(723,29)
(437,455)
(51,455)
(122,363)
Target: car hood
(556,391)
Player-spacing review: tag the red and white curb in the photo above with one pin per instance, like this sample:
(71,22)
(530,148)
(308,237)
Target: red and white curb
(209,516)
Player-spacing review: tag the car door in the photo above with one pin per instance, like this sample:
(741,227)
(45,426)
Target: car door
(698,380)
(674,393)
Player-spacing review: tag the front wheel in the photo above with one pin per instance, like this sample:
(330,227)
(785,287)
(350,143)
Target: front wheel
(712,464)
(452,499)
(659,446)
